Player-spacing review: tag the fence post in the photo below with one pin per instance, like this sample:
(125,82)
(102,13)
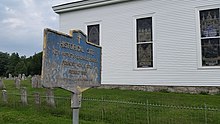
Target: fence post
(4,96)
(148,121)
(17,83)
(37,98)
(102,112)
(50,98)
(205,114)
(2,86)
(24,96)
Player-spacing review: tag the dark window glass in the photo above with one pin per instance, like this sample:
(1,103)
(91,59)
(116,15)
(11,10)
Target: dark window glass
(144,30)
(93,34)
(211,52)
(144,55)
(209,23)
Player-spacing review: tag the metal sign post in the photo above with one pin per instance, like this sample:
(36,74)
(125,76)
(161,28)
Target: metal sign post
(70,63)
(76,103)
(75,106)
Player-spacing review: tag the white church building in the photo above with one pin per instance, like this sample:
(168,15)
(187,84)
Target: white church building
(151,42)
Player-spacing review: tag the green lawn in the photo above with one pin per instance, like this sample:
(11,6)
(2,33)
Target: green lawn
(100,110)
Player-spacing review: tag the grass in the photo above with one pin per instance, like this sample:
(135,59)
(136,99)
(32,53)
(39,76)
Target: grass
(101,112)
(156,97)
(29,116)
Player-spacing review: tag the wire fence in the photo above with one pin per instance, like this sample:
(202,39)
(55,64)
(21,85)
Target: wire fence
(106,111)
(121,112)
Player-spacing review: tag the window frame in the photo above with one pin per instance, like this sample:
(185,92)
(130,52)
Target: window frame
(153,42)
(199,38)
(100,30)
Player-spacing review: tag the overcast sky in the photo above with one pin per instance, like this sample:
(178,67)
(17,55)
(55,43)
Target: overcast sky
(22,23)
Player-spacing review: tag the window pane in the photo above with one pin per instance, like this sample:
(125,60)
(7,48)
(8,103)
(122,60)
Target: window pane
(209,23)
(93,34)
(145,55)
(144,29)
(211,52)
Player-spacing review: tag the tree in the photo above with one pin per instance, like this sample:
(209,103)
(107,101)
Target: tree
(15,65)
(4,58)
(37,61)
(13,61)
(20,68)
(34,64)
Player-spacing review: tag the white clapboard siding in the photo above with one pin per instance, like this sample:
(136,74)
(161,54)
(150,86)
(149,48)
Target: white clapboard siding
(175,41)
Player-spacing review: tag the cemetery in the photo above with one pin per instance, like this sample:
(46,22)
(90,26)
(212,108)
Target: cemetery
(104,106)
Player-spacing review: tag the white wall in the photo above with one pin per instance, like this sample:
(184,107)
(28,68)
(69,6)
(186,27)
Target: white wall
(175,42)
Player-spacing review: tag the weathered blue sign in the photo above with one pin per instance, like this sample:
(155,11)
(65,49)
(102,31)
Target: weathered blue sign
(70,61)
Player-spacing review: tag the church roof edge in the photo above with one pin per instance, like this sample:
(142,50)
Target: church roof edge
(84,4)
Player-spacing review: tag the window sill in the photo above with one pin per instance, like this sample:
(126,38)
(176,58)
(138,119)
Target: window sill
(207,68)
(144,69)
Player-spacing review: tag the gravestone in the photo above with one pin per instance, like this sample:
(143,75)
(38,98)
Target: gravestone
(36,81)
(19,76)
(23,77)
(4,96)
(9,76)
(50,97)
(17,83)
(37,98)
(24,96)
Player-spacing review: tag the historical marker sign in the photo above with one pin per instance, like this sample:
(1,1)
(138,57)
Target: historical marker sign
(70,61)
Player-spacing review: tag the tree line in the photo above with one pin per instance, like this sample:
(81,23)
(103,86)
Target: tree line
(15,64)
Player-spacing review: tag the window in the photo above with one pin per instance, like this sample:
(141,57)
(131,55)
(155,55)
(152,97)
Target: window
(144,42)
(209,36)
(93,34)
